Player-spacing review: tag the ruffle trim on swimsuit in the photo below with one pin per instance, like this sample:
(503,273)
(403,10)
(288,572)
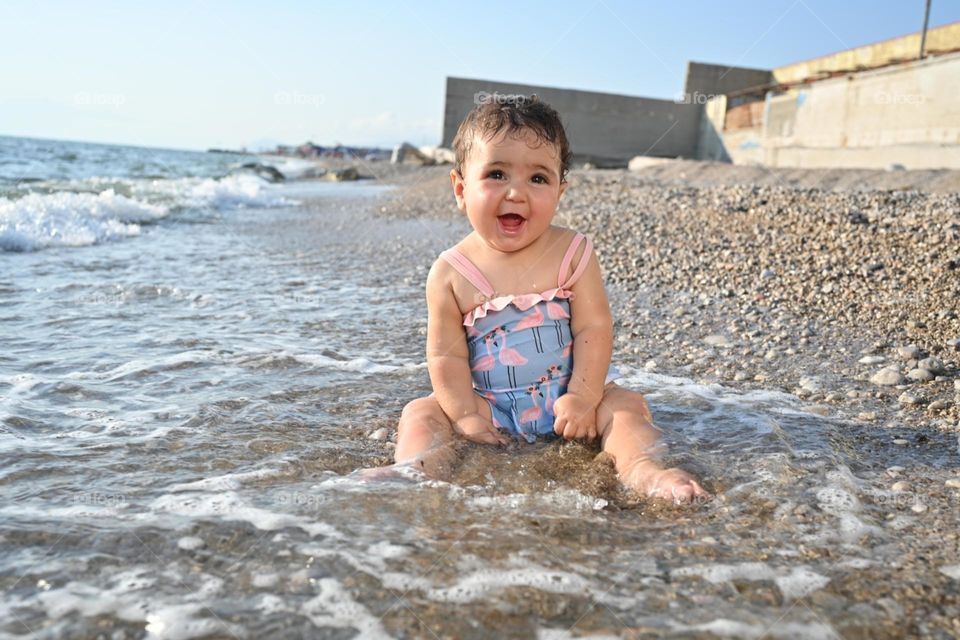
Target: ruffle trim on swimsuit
(521,302)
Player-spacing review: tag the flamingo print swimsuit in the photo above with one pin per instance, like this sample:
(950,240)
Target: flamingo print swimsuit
(521,347)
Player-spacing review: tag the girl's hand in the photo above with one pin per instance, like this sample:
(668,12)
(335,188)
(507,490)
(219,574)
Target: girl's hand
(576,417)
(476,428)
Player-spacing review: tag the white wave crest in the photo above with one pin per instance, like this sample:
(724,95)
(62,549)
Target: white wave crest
(69,219)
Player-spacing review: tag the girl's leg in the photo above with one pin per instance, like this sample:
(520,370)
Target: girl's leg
(425,438)
(628,434)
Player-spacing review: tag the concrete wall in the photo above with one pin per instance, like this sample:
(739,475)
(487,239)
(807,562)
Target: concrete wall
(710,80)
(603,128)
(941,39)
(906,114)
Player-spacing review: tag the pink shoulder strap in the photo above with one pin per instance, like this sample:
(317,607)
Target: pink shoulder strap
(581,266)
(468,270)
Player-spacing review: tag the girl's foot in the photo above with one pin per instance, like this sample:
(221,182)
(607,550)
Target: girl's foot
(675,485)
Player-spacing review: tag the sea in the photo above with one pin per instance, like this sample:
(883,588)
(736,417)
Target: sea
(197,363)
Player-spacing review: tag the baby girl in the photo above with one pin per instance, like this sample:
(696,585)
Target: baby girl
(519,330)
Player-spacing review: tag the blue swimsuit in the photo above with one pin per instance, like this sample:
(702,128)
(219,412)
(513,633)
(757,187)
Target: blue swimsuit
(521,347)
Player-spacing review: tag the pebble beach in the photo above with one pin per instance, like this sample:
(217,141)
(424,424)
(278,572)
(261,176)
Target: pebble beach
(839,286)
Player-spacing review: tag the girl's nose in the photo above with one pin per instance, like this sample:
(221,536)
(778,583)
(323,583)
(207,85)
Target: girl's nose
(515,193)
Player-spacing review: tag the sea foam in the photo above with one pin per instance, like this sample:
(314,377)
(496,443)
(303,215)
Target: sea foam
(77,218)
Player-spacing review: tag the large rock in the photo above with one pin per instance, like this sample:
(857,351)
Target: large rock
(439,155)
(342,175)
(638,163)
(406,153)
(265,171)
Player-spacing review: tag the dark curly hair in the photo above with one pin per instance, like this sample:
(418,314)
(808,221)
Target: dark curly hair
(496,113)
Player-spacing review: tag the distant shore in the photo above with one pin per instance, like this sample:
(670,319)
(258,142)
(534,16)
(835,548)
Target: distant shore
(839,286)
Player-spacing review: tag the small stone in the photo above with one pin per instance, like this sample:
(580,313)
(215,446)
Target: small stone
(740,376)
(867,416)
(902,442)
(906,398)
(379,434)
(933,365)
(956,385)
(951,571)
(939,405)
(954,344)
(768,274)
(820,410)
(872,360)
(900,486)
(810,383)
(717,340)
(895,470)
(920,375)
(911,352)
(604,458)
(953,483)
(650,365)
(888,377)
(918,507)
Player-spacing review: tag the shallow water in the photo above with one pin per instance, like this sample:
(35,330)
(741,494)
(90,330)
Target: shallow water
(181,412)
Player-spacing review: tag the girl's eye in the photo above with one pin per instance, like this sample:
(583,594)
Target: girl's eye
(496,174)
(540,179)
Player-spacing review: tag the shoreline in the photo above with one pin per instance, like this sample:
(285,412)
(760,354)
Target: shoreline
(808,290)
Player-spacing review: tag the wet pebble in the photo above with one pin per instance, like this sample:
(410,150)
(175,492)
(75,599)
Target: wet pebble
(895,470)
(921,375)
(910,352)
(902,442)
(900,486)
(887,377)
(953,483)
(933,365)
(379,434)
(907,398)
(872,360)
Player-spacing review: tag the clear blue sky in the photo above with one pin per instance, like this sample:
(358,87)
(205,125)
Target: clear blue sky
(202,74)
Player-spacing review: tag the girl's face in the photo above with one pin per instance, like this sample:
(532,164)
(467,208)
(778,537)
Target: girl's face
(510,189)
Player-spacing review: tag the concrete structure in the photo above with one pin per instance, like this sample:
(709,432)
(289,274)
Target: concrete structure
(608,129)
(940,40)
(705,81)
(872,106)
(865,107)
(603,128)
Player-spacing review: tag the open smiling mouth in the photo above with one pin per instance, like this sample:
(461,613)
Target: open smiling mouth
(511,223)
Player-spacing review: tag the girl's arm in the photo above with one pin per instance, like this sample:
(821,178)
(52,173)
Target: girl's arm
(448,360)
(592,326)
